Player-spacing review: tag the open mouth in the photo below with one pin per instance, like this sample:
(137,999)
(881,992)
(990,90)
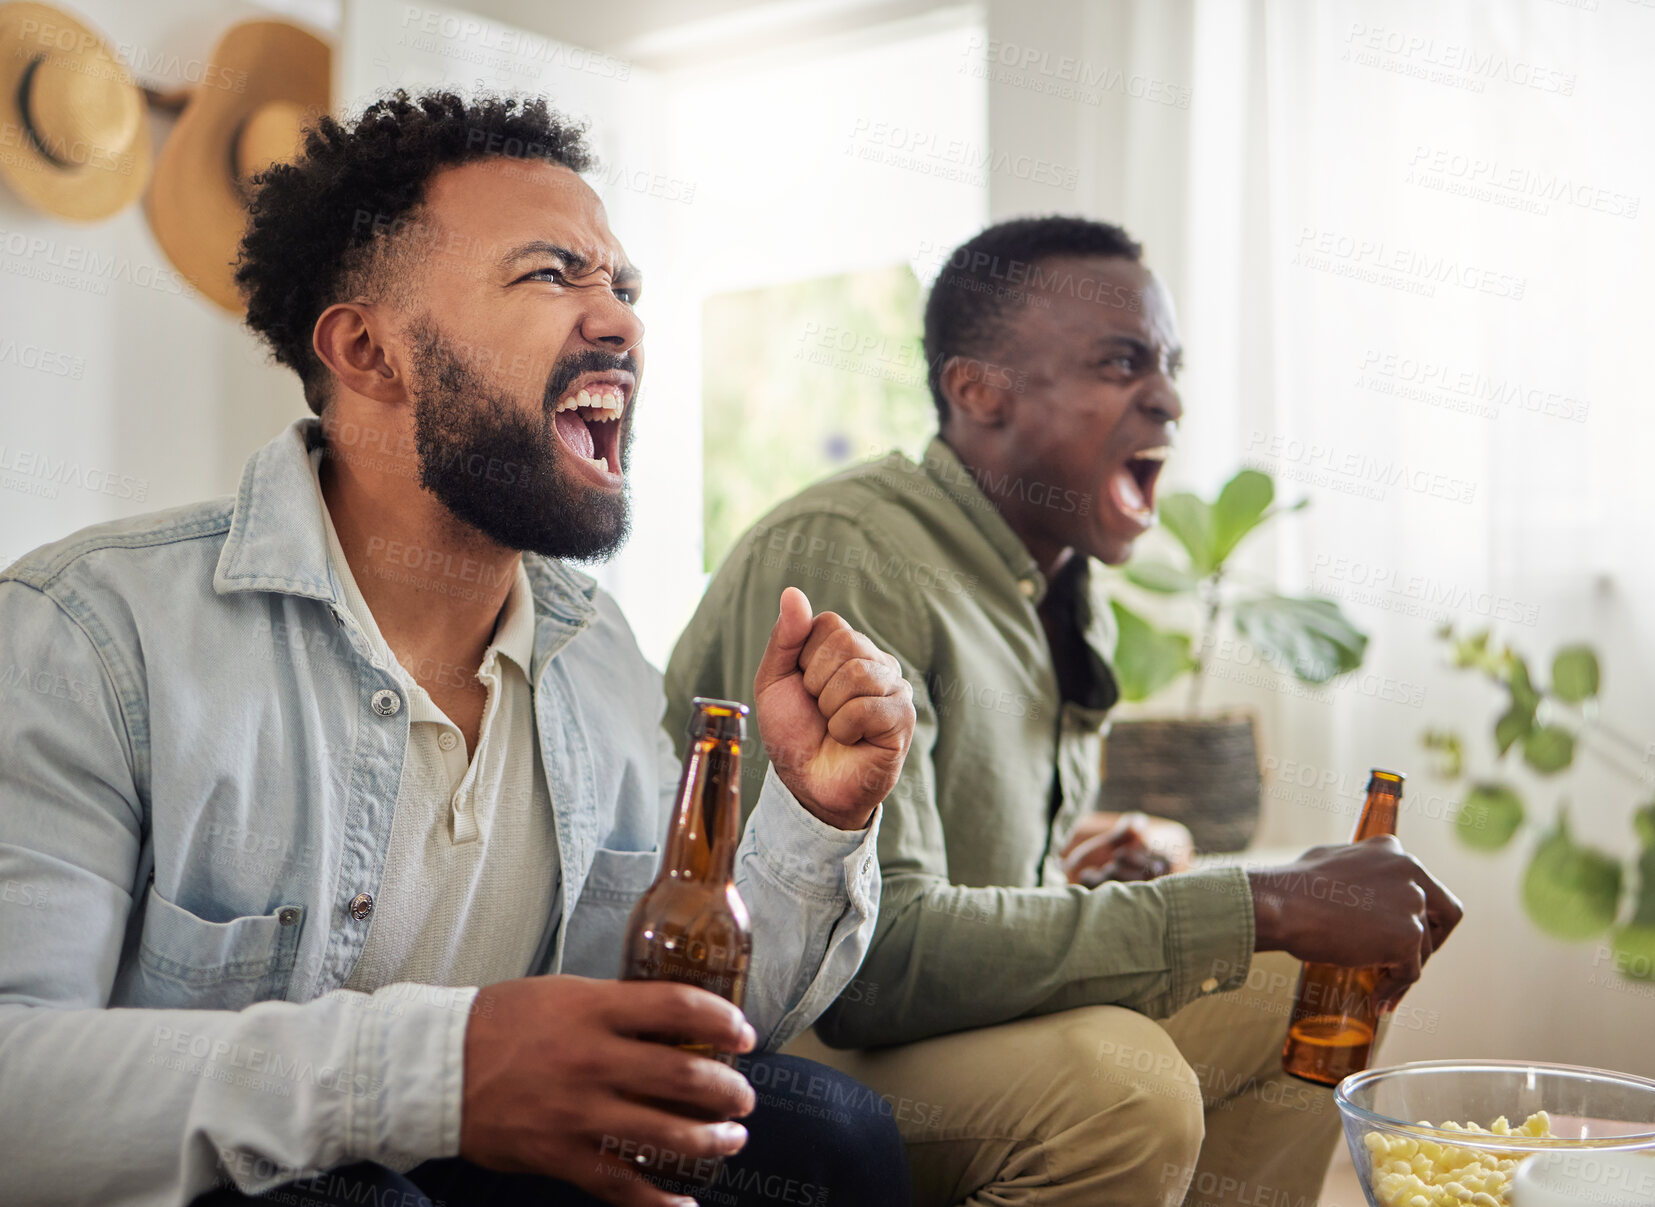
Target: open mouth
(588,421)
(1132,485)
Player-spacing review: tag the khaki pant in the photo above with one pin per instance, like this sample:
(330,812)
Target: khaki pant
(1102,1106)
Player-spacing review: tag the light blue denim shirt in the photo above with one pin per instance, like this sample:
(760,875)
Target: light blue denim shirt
(198,767)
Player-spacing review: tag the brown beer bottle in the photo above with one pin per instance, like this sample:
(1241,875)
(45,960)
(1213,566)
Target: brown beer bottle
(691,925)
(1331,1033)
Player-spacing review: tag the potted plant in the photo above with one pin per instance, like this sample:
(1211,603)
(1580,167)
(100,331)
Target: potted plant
(1203,770)
(1570,890)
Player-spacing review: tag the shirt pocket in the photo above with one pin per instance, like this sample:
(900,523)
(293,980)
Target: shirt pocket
(592,946)
(186,962)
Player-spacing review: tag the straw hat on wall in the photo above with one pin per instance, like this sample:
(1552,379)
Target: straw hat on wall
(269,78)
(73,137)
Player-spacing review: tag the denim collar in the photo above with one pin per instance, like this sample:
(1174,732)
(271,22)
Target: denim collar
(278,542)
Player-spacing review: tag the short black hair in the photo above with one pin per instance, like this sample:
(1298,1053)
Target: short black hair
(324,227)
(992,272)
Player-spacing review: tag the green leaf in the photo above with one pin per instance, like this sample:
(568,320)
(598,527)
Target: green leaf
(1158,576)
(1549,749)
(1575,674)
(1489,817)
(1146,659)
(1571,891)
(1190,521)
(1513,726)
(1472,651)
(1307,636)
(1239,509)
(1450,747)
(1514,672)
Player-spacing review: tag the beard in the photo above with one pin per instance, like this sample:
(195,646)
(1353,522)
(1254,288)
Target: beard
(500,471)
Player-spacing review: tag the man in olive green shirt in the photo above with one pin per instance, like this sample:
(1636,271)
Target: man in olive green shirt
(1004,1013)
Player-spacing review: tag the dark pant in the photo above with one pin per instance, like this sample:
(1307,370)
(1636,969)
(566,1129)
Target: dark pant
(815,1139)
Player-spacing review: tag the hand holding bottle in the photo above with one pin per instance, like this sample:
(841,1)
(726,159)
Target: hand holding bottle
(561,1079)
(1365,904)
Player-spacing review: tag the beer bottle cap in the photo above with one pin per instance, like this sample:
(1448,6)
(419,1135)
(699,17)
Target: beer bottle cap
(1385,781)
(718,719)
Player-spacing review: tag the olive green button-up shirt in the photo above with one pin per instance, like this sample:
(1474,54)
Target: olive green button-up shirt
(977,923)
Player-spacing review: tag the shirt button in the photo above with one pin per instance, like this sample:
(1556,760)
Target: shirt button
(386,702)
(1026,586)
(287,915)
(361,906)
(447,740)
(1210,984)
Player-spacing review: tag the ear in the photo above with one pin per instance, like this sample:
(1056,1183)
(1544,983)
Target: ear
(977,391)
(350,339)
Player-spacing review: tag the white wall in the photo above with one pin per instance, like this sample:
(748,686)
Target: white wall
(151,397)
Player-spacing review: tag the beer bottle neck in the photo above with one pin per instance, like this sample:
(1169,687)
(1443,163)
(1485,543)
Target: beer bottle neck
(706,827)
(1378,815)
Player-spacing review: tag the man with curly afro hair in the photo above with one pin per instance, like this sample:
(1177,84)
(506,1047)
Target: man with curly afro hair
(330,852)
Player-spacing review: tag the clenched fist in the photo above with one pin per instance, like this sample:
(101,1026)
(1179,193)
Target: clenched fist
(834,711)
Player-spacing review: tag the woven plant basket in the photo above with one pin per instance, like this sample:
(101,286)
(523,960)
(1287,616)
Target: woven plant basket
(1203,773)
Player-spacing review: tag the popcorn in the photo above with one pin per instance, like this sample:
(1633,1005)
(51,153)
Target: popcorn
(1423,1173)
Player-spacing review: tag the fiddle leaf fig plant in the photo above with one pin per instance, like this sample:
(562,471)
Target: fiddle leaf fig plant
(1306,636)
(1570,890)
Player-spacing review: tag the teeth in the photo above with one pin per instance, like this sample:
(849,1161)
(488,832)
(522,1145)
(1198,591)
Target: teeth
(605,400)
(600,463)
(1153,454)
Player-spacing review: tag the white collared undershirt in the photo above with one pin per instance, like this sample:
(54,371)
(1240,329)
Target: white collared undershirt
(471,872)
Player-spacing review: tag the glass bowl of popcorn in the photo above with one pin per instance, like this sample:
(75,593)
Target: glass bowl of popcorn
(1442,1133)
